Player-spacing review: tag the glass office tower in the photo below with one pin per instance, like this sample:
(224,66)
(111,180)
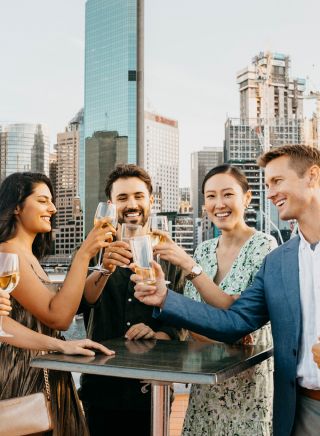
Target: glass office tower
(114,71)
(23,147)
(114,100)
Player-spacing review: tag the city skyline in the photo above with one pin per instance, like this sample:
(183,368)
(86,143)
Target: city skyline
(190,75)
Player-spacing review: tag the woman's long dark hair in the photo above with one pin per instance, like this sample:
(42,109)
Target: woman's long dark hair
(13,191)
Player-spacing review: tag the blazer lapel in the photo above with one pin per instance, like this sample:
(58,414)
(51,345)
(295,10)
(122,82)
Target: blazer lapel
(290,275)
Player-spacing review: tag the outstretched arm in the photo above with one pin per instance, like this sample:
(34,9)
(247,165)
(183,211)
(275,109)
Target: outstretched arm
(247,314)
(56,310)
(24,337)
(209,291)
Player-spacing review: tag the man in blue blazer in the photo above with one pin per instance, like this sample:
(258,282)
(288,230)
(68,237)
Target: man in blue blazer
(285,291)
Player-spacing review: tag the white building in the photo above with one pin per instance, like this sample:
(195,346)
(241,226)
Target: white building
(161,160)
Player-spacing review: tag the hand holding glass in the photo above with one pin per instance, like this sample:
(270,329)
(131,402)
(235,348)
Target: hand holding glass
(129,231)
(105,210)
(158,222)
(143,256)
(9,277)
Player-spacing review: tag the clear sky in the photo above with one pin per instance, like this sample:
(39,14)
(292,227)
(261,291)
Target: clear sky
(193,50)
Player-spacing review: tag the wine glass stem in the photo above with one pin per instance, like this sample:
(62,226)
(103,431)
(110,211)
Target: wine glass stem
(100,257)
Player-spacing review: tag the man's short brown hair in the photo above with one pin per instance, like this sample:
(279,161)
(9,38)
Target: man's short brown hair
(124,171)
(301,157)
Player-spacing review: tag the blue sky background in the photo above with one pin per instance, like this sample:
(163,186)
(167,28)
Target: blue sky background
(193,50)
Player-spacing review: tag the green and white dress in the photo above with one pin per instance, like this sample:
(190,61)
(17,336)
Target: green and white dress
(242,405)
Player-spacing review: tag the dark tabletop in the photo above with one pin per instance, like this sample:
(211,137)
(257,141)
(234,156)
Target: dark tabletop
(160,360)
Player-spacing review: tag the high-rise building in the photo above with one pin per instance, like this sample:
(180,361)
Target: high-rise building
(161,160)
(69,219)
(113,100)
(181,229)
(271,114)
(53,163)
(283,97)
(184,194)
(23,147)
(184,201)
(244,137)
(201,162)
(103,152)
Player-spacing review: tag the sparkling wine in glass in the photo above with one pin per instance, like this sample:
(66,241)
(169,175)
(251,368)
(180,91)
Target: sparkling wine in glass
(143,256)
(158,222)
(105,210)
(9,278)
(129,231)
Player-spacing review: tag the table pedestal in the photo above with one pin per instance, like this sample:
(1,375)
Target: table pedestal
(160,408)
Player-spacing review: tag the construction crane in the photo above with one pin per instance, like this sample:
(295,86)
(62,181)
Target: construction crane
(263,77)
(315,95)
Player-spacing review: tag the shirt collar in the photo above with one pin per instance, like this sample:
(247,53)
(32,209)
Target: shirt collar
(303,242)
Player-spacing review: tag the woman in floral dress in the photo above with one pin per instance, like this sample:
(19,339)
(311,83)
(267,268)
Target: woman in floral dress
(242,405)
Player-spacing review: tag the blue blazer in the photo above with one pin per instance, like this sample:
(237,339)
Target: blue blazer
(274,295)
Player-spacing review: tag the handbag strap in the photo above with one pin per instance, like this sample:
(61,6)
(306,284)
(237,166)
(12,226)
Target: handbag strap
(45,370)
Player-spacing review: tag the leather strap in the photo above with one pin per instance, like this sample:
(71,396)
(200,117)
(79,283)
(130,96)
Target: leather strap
(310,393)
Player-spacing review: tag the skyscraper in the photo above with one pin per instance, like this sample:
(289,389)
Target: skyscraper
(271,114)
(201,162)
(23,147)
(284,95)
(161,160)
(68,220)
(114,97)
(103,152)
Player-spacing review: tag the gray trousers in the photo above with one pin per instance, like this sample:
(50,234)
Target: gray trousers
(307,420)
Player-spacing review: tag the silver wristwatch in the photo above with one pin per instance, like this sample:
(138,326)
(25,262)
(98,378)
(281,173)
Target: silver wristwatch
(195,272)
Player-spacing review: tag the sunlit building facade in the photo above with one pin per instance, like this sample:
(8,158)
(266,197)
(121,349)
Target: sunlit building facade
(69,219)
(161,160)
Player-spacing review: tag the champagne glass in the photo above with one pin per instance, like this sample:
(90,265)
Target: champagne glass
(141,248)
(129,231)
(158,222)
(105,210)
(9,278)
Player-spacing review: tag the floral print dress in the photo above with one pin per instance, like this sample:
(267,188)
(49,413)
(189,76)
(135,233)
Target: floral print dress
(242,405)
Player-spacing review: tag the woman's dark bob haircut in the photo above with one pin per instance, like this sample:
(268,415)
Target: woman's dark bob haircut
(13,191)
(228,169)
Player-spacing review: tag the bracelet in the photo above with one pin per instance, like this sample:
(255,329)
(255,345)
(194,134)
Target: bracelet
(106,273)
(102,274)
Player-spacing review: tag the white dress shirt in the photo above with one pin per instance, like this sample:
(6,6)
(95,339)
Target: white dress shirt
(308,373)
